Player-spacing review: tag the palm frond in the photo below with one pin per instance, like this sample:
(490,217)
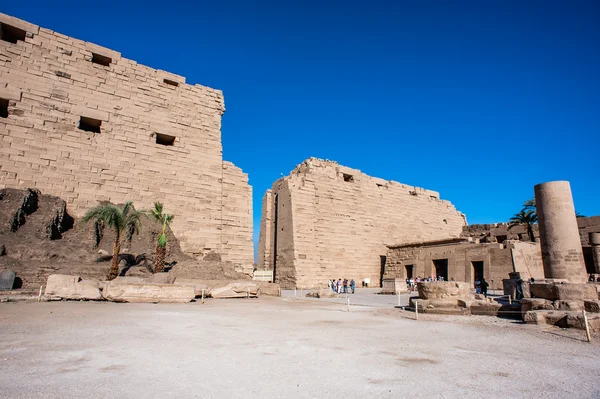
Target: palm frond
(162,240)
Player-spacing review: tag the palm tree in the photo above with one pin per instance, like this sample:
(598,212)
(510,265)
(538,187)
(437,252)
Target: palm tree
(161,243)
(122,220)
(529,205)
(526,217)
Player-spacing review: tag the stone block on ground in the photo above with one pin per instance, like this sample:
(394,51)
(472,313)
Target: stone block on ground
(272,289)
(324,293)
(147,293)
(236,289)
(60,286)
(485,308)
(443,289)
(7,280)
(571,291)
(528,304)
(543,290)
(198,285)
(535,317)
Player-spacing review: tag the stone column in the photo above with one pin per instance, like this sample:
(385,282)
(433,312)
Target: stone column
(595,243)
(559,235)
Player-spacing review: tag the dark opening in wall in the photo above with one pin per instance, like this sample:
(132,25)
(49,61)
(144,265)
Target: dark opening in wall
(11,34)
(171,82)
(164,139)
(101,59)
(3,108)
(348,178)
(89,124)
(501,239)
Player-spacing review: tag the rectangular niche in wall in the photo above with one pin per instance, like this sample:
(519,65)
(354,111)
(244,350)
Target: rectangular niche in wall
(165,139)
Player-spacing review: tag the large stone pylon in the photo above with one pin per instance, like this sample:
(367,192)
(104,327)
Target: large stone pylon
(559,235)
(595,243)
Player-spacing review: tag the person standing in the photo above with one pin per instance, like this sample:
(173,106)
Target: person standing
(329,284)
(345,286)
(339,286)
(484,287)
(352,285)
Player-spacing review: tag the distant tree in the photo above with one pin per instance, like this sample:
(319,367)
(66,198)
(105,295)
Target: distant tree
(579,215)
(527,218)
(161,243)
(123,220)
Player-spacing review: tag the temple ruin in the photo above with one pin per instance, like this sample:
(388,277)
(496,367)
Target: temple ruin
(327,221)
(83,123)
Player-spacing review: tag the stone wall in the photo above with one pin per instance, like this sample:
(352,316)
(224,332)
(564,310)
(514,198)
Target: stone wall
(81,122)
(497,260)
(331,221)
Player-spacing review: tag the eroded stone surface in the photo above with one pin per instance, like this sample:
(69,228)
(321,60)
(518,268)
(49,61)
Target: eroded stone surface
(443,289)
(235,290)
(151,293)
(60,286)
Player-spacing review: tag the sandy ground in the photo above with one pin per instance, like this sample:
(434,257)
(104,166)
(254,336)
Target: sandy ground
(283,348)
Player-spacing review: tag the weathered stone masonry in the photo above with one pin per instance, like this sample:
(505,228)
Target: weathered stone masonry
(327,221)
(159,138)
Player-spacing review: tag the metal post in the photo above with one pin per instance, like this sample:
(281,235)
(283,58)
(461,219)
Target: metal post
(347,303)
(294,292)
(398,299)
(587,328)
(40,295)
(509,300)
(279,291)
(248,289)
(203,295)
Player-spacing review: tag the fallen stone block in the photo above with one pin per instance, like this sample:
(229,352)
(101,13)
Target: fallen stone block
(235,290)
(198,285)
(147,293)
(543,290)
(485,308)
(535,317)
(571,291)
(272,289)
(528,304)
(60,286)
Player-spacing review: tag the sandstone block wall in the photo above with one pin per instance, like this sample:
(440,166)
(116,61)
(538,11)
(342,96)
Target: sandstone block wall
(497,260)
(331,221)
(150,137)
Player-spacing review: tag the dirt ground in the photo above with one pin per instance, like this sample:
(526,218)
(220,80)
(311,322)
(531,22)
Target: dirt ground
(282,348)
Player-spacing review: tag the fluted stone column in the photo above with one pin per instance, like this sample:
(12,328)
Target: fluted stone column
(559,235)
(595,243)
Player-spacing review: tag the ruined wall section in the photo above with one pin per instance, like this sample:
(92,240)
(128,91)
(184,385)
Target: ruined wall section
(344,220)
(49,81)
(236,239)
(265,238)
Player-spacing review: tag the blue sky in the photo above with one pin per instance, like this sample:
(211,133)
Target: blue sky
(478,100)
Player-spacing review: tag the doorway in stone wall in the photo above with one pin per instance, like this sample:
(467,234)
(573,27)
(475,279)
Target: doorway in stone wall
(477,271)
(382,260)
(440,269)
(409,271)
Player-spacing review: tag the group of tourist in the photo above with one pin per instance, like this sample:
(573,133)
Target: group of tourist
(481,286)
(340,286)
(411,283)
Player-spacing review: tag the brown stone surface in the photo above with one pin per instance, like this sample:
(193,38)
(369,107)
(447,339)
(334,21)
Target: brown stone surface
(61,286)
(528,304)
(147,293)
(199,285)
(51,82)
(236,290)
(559,235)
(330,221)
(485,308)
(441,289)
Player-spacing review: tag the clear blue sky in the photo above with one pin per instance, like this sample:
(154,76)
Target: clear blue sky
(478,100)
